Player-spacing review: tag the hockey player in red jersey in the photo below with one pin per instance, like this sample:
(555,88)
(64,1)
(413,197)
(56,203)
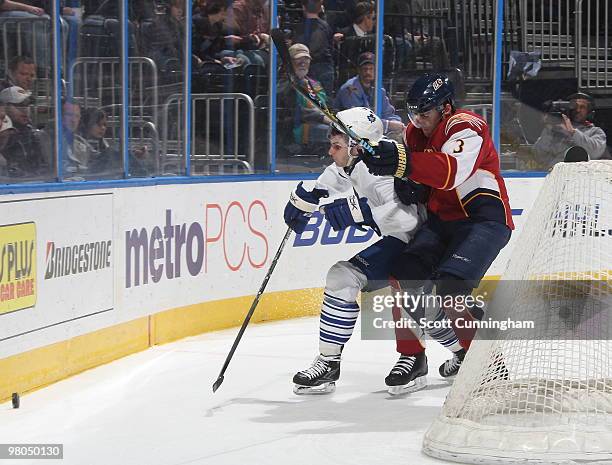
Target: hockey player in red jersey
(469,217)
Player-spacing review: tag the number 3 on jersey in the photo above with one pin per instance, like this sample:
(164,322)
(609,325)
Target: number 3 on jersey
(459,147)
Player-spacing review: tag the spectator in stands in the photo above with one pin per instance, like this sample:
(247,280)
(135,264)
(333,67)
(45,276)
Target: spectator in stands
(6,129)
(364,20)
(317,35)
(252,19)
(104,160)
(306,124)
(208,25)
(338,13)
(15,8)
(38,31)
(359,91)
(25,150)
(138,10)
(75,157)
(21,73)
(574,129)
(72,19)
(163,41)
(416,37)
(245,34)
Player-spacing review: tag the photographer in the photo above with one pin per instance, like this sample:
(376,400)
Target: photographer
(569,124)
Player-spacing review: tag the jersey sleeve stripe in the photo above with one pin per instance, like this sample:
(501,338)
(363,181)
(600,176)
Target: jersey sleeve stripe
(461,204)
(464,203)
(448,176)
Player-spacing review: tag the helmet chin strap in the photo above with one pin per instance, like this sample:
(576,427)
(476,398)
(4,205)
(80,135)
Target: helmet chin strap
(352,159)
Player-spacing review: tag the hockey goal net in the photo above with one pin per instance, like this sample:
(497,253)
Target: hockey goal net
(545,396)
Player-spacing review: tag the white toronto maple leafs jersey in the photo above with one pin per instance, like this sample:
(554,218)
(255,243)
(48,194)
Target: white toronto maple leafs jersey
(392,216)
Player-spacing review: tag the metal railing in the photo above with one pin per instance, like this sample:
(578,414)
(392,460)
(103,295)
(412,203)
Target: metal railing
(593,45)
(436,7)
(96,81)
(220,144)
(483,109)
(19,37)
(547,27)
(418,41)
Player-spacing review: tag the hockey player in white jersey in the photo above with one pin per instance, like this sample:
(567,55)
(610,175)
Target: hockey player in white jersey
(356,199)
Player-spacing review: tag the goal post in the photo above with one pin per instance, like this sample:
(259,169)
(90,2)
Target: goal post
(544,395)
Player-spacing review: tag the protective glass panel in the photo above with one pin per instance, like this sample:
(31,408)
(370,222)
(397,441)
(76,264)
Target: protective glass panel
(230,82)
(26,95)
(91,110)
(332,52)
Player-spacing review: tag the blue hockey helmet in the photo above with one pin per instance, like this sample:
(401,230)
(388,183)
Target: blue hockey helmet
(431,90)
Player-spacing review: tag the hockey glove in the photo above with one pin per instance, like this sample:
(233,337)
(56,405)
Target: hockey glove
(389,159)
(410,192)
(350,211)
(301,206)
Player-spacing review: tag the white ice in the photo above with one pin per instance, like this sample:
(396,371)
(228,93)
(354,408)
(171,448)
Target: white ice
(157,407)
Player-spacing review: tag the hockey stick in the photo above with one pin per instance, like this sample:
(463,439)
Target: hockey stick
(278,37)
(251,310)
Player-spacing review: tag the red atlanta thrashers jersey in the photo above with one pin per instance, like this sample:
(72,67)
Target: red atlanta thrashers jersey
(460,163)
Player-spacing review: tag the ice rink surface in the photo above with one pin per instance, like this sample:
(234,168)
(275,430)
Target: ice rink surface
(157,407)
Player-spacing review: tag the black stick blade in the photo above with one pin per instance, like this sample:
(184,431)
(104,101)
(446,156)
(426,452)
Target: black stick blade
(217,383)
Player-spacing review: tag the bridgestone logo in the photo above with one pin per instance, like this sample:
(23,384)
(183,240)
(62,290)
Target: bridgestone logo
(76,259)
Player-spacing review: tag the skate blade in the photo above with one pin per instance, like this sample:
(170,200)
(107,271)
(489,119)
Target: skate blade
(449,379)
(325,388)
(413,386)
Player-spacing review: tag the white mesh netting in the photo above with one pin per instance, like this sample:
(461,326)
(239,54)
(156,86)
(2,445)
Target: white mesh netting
(544,395)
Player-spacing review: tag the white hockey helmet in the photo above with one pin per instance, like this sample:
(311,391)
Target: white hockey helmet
(363,122)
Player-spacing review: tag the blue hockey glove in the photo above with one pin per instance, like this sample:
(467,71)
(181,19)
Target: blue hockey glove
(350,211)
(389,159)
(302,204)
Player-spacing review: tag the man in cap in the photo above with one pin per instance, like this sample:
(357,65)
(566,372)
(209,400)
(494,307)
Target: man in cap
(307,124)
(359,91)
(24,151)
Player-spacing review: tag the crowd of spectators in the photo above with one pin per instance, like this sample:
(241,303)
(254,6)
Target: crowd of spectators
(331,46)
(230,38)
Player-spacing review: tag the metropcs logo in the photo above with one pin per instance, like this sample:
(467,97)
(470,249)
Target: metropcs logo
(233,232)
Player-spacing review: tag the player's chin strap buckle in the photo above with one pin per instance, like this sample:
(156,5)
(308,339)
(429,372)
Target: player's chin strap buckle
(352,161)
(364,144)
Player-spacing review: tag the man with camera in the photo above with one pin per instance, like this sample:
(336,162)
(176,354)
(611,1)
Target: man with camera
(569,124)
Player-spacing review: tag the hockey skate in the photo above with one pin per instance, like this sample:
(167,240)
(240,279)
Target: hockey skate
(408,374)
(320,378)
(449,369)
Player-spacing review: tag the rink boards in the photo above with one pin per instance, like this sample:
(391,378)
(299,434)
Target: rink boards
(90,276)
